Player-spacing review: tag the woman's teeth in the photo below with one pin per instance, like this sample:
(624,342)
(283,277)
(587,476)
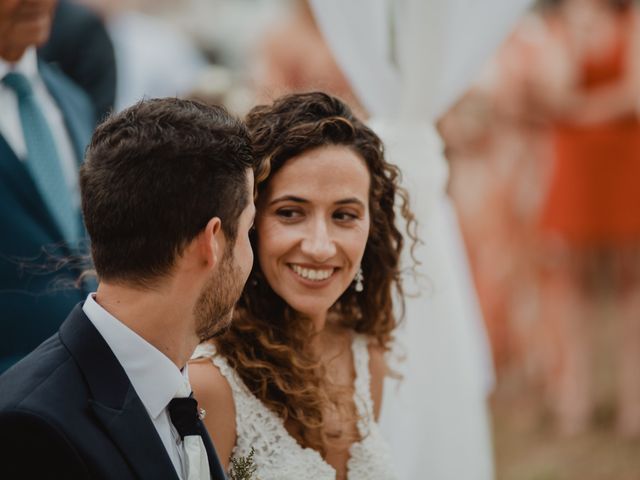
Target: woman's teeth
(311,273)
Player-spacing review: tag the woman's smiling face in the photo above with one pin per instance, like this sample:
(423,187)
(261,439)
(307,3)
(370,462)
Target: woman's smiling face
(312,227)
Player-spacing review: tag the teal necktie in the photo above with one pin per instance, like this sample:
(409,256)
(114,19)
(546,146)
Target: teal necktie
(43,161)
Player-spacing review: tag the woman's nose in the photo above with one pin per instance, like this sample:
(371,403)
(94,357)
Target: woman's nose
(318,244)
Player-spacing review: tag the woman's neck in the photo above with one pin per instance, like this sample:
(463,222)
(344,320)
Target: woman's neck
(318,320)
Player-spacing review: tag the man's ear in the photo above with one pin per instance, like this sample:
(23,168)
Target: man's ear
(213,242)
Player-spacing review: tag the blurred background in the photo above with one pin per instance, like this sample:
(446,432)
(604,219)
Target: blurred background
(545,160)
(544,164)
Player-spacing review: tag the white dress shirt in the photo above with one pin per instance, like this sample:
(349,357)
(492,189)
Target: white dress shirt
(155,378)
(11,128)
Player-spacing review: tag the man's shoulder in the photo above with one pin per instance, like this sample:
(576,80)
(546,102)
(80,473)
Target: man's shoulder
(37,428)
(39,380)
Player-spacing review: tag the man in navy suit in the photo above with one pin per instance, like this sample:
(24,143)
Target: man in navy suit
(167,198)
(45,124)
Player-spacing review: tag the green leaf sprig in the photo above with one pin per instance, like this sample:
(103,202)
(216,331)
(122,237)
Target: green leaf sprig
(243,468)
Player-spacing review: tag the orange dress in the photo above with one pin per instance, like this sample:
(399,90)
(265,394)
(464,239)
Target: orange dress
(594,194)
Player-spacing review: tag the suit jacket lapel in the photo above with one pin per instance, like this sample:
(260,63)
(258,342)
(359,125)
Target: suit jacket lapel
(76,109)
(132,430)
(75,106)
(115,403)
(17,179)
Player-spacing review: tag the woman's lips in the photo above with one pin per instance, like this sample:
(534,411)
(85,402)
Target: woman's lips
(312,276)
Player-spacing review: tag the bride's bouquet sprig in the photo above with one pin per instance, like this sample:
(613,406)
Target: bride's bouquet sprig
(243,468)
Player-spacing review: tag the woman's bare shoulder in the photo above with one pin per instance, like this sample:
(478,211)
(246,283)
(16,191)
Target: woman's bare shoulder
(214,395)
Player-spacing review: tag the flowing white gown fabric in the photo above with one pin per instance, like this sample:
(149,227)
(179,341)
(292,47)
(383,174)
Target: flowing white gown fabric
(436,418)
(408,61)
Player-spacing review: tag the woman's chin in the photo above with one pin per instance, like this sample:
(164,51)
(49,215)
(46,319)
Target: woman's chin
(313,310)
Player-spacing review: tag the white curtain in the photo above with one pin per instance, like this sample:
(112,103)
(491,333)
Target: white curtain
(435,417)
(408,61)
(413,58)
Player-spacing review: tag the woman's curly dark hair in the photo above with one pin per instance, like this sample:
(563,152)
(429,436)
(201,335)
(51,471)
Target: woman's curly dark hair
(267,343)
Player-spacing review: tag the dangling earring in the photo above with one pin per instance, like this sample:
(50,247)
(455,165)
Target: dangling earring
(359,278)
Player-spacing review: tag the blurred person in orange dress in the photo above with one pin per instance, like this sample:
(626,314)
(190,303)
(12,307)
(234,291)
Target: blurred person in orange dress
(590,219)
(494,146)
(478,187)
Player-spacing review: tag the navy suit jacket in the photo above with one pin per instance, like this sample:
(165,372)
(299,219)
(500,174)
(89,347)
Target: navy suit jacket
(33,303)
(68,411)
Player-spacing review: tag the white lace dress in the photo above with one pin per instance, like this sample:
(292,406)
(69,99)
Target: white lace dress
(278,456)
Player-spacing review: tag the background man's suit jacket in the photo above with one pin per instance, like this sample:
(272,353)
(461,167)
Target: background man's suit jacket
(68,411)
(31,306)
(80,45)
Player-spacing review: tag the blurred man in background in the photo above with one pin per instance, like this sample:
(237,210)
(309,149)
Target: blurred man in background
(45,123)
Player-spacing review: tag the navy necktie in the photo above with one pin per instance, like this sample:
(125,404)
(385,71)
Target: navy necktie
(43,161)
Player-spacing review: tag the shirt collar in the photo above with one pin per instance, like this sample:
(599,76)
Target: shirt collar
(27,65)
(155,378)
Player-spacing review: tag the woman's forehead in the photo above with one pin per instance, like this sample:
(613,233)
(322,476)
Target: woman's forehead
(332,169)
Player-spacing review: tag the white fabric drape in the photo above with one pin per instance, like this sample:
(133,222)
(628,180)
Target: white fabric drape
(435,418)
(358,33)
(413,58)
(408,61)
(442,45)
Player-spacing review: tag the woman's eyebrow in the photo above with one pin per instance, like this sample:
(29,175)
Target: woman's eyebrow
(288,198)
(347,201)
(293,198)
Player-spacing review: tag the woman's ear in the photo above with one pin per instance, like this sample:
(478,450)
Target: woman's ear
(212,242)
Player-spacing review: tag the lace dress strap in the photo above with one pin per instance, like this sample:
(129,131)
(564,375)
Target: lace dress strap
(370,459)
(362,397)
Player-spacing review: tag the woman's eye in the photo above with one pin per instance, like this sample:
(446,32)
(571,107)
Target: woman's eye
(288,213)
(345,216)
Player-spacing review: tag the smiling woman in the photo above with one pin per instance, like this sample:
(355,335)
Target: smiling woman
(298,376)
(313,226)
